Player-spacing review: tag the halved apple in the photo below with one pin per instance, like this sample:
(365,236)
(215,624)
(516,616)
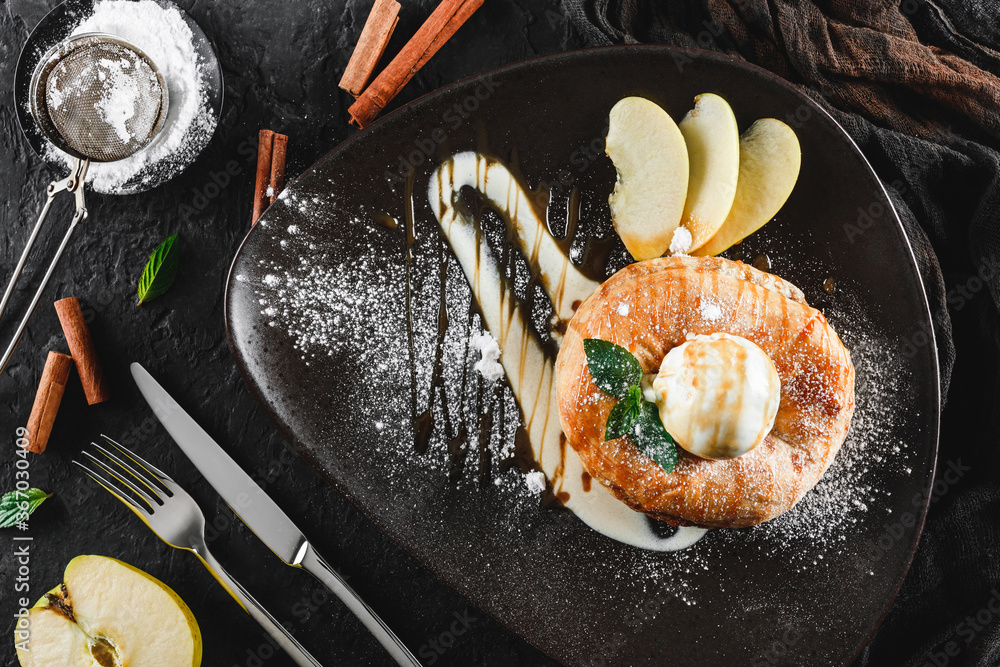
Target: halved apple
(652,163)
(107,613)
(770,158)
(713,146)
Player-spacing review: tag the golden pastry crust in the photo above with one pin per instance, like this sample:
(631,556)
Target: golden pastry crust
(648,308)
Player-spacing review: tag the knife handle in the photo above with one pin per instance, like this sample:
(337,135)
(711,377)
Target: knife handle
(314,564)
(281,636)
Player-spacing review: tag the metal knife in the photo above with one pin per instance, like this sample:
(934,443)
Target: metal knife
(256,509)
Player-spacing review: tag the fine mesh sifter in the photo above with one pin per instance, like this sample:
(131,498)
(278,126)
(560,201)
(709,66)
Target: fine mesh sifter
(98,99)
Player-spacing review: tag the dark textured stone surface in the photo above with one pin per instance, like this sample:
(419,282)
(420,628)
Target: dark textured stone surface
(281,62)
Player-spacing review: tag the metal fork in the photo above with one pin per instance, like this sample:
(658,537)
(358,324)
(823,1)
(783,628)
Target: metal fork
(177,520)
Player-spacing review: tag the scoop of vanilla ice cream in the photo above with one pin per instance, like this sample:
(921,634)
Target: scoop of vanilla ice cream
(717,395)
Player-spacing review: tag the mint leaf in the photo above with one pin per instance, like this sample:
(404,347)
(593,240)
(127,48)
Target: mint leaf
(624,415)
(618,373)
(652,439)
(160,271)
(613,368)
(15,506)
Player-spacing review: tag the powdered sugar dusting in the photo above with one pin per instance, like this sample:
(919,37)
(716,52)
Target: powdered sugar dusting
(161,32)
(118,104)
(323,310)
(351,305)
(488,366)
(849,487)
(710,310)
(681,241)
(535,481)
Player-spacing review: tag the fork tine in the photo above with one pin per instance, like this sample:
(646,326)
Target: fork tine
(142,463)
(113,490)
(102,465)
(143,478)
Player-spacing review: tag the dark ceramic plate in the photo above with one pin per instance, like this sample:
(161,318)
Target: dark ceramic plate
(317,318)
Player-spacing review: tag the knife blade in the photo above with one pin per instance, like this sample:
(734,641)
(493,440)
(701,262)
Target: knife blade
(256,509)
(247,500)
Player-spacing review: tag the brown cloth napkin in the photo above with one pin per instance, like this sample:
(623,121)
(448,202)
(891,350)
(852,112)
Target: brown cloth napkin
(864,58)
(916,84)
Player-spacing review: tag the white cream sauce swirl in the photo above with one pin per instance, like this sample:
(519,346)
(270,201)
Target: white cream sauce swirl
(530,372)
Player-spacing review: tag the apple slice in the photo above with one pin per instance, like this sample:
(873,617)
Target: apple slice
(713,145)
(770,158)
(652,163)
(108,614)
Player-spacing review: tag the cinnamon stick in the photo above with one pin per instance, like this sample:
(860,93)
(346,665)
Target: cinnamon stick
(47,399)
(277,166)
(447,18)
(81,346)
(371,45)
(260,199)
